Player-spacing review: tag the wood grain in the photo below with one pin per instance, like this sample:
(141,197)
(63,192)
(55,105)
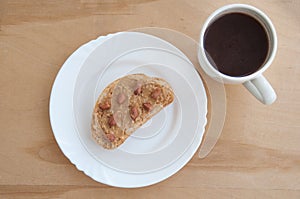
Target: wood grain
(257,156)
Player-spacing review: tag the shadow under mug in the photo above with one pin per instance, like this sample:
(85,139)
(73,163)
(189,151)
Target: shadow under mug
(255,82)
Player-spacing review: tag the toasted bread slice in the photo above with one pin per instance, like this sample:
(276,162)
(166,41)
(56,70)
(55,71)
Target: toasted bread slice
(125,105)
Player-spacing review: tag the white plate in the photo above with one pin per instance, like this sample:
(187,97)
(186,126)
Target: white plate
(61,116)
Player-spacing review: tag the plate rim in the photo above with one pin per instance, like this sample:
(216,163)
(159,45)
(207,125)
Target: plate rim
(71,157)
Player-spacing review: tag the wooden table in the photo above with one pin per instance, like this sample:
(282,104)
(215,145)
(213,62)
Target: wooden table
(257,156)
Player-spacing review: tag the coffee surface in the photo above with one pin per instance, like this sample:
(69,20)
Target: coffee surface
(236,44)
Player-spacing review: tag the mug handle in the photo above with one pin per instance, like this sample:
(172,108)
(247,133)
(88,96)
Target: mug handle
(261,89)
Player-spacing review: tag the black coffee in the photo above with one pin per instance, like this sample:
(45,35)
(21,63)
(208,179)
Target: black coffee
(236,44)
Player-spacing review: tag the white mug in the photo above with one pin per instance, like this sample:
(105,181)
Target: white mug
(256,83)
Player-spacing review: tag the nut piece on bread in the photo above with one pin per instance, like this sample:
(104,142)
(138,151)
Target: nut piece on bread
(125,105)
